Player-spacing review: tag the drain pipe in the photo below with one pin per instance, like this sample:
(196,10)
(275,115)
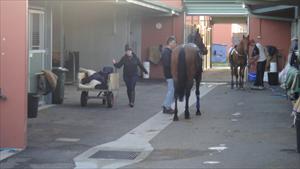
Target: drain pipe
(297,17)
(297,20)
(62,35)
(184,28)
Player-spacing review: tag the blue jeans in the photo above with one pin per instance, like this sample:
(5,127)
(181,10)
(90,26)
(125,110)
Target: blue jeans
(169,99)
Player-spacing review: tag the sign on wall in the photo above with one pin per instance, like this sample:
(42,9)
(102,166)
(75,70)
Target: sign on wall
(218,53)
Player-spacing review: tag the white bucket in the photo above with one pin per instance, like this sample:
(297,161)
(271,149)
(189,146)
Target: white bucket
(147,67)
(273,67)
(265,77)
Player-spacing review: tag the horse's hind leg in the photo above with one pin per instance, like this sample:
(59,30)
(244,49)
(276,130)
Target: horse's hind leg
(175,111)
(232,83)
(198,113)
(242,73)
(187,97)
(240,77)
(236,76)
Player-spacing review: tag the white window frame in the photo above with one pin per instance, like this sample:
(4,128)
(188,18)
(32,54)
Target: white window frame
(41,29)
(41,49)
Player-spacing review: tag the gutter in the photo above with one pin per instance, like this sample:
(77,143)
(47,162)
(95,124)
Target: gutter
(156,6)
(272,17)
(218,14)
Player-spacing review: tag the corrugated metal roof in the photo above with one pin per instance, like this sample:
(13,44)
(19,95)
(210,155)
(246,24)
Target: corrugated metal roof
(215,7)
(231,7)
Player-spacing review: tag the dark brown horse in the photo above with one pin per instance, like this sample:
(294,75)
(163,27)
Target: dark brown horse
(186,65)
(238,59)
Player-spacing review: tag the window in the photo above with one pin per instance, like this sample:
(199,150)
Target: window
(239,28)
(36,29)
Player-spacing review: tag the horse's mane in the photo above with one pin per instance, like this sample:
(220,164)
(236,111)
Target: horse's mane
(240,47)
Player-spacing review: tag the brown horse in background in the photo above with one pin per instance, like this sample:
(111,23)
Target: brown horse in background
(238,59)
(186,65)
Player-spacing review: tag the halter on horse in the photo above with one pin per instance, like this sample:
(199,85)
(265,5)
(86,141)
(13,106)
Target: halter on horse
(197,40)
(238,58)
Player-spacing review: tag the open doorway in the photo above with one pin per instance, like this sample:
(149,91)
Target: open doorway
(219,34)
(224,37)
(203,24)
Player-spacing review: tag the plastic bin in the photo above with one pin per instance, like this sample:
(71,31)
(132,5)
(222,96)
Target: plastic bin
(273,78)
(33,104)
(252,77)
(59,92)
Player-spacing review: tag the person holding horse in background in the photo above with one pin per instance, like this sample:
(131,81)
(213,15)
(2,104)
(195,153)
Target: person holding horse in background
(166,61)
(259,56)
(130,72)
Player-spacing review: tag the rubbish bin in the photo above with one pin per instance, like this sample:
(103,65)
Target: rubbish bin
(251,76)
(298,131)
(147,67)
(33,104)
(58,93)
(273,78)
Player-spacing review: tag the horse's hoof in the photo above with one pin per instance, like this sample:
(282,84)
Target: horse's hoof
(198,113)
(175,118)
(187,117)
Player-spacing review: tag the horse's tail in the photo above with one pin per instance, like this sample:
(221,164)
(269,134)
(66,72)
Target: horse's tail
(182,74)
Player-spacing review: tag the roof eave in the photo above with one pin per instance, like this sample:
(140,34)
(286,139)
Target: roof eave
(156,6)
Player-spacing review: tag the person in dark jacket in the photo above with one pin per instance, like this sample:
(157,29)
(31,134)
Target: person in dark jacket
(130,63)
(166,60)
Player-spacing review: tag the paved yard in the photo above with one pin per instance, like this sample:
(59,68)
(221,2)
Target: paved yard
(238,129)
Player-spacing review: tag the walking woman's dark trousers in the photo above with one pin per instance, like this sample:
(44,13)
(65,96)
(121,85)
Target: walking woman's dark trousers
(130,82)
(260,70)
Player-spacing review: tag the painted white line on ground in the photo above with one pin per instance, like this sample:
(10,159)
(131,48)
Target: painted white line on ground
(135,140)
(236,114)
(214,83)
(240,103)
(45,107)
(211,162)
(68,139)
(219,148)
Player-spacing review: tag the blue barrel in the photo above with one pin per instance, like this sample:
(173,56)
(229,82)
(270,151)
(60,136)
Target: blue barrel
(251,76)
